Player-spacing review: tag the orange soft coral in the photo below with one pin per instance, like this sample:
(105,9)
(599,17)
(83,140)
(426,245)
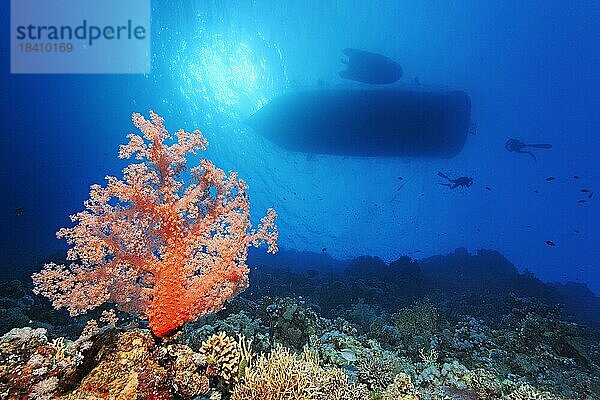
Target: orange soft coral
(153,246)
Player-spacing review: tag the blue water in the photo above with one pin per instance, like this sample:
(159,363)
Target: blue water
(530,68)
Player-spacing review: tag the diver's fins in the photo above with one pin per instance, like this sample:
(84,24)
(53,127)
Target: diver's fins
(540,146)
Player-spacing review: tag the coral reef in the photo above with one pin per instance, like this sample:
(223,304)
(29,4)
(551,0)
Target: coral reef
(467,360)
(127,365)
(507,347)
(31,366)
(151,245)
(15,305)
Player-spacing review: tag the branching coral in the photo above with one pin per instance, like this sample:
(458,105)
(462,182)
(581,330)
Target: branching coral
(153,245)
(379,373)
(416,320)
(526,392)
(281,375)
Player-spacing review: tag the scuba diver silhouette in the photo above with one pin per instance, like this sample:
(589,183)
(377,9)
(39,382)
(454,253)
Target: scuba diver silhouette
(464,181)
(515,145)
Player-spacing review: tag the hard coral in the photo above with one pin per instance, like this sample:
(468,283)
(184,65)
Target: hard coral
(223,357)
(292,322)
(153,246)
(401,389)
(281,375)
(131,365)
(32,367)
(416,320)
(526,392)
(379,373)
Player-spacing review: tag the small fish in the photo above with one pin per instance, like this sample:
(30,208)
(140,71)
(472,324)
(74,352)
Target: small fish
(417,251)
(488,188)
(584,190)
(576,177)
(536,191)
(348,355)
(324,249)
(581,201)
(577,231)
(401,178)
(19,211)
(550,243)
(550,178)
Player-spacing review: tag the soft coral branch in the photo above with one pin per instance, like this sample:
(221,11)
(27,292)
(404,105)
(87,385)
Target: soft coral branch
(154,247)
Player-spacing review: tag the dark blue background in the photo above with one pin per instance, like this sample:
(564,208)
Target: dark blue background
(531,68)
